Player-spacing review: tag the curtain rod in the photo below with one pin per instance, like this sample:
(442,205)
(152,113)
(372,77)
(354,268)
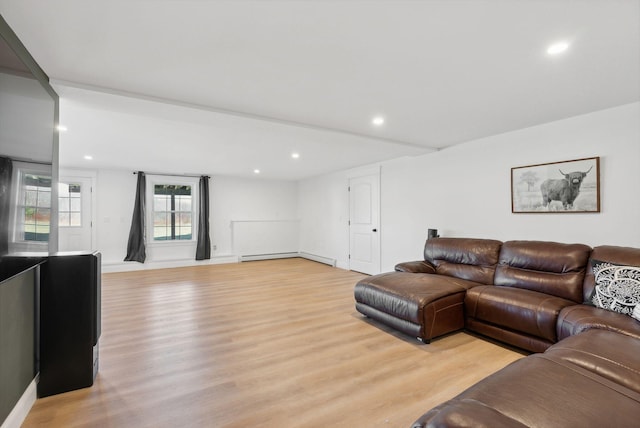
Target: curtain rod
(172,175)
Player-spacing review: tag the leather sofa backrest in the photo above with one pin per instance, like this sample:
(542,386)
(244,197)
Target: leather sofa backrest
(626,256)
(548,267)
(464,258)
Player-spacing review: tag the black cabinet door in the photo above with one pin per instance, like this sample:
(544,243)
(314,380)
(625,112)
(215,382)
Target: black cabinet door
(69,322)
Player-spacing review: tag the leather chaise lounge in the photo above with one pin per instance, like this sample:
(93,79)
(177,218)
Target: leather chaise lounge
(425,299)
(536,296)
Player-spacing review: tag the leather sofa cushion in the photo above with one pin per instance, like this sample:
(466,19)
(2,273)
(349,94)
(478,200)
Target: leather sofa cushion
(404,295)
(611,355)
(504,334)
(465,413)
(419,266)
(464,258)
(548,267)
(626,256)
(540,391)
(516,309)
(578,318)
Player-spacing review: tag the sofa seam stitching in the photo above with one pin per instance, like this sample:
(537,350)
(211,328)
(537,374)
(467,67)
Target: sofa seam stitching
(627,392)
(599,357)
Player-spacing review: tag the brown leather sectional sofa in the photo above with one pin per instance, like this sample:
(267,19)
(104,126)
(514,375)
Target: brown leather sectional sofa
(530,294)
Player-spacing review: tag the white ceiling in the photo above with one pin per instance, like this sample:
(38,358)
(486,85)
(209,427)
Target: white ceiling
(242,84)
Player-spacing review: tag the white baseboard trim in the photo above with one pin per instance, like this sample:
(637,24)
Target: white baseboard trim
(23,406)
(255,257)
(320,259)
(313,257)
(343,265)
(109,267)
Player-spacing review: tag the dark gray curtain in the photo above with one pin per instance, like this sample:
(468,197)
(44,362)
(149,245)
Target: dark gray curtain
(203,249)
(6,170)
(135,247)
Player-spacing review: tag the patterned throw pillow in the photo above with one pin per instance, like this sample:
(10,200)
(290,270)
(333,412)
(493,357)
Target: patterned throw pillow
(617,288)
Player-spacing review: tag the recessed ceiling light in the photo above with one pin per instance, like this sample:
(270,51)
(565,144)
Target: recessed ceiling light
(61,128)
(88,157)
(557,48)
(378,121)
(256,171)
(295,155)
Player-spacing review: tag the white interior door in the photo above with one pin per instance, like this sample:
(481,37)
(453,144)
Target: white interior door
(74,214)
(364,227)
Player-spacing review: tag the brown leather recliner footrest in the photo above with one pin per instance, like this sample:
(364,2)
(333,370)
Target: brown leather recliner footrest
(421,305)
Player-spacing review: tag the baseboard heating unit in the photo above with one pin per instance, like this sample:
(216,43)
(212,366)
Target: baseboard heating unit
(255,257)
(320,259)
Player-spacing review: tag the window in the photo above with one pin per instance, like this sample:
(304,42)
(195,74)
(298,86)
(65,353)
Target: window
(172,212)
(35,207)
(69,205)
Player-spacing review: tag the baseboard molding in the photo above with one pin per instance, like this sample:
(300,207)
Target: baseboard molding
(313,257)
(22,407)
(320,259)
(343,265)
(109,267)
(255,257)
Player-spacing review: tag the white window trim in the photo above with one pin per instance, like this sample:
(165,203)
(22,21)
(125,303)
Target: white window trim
(17,243)
(180,181)
(60,211)
(82,174)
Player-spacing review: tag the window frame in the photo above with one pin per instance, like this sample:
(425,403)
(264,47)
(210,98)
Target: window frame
(20,170)
(171,181)
(70,211)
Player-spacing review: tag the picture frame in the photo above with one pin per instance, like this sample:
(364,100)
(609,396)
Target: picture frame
(571,186)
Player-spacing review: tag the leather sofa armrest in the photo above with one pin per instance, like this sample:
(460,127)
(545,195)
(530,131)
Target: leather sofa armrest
(576,319)
(420,266)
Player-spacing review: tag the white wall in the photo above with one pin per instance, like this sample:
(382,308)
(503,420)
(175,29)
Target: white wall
(230,199)
(239,199)
(324,212)
(464,191)
(115,192)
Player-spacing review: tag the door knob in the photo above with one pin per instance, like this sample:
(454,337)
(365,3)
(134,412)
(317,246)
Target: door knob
(374,230)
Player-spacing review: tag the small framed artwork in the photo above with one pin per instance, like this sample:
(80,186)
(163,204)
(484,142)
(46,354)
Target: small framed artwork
(558,187)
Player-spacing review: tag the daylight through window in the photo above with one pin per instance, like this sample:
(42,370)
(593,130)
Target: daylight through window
(36,207)
(172,212)
(70,205)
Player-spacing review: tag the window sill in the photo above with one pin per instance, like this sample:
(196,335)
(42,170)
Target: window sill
(177,243)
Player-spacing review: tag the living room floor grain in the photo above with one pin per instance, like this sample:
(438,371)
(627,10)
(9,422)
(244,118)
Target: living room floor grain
(271,343)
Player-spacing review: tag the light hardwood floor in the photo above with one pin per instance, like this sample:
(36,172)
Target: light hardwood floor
(270,343)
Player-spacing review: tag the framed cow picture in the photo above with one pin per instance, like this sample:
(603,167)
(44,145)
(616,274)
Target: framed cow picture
(557,187)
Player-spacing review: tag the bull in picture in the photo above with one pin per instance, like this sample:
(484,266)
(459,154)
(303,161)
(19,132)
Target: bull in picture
(565,190)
